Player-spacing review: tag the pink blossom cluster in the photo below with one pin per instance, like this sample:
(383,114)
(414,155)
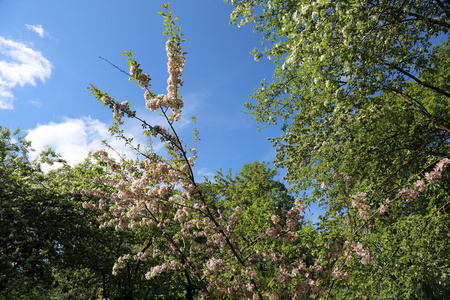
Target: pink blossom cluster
(293,218)
(413,192)
(156,270)
(275,219)
(303,278)
(384,206)
(175,66)
(288,233)
(119,109)
(140,256)
(172,99)
(436,174)
(348,180)
(214,264)
(336,249)
(359,201)
(419,185)
(273,232)
(133,70)
(121,263)
(155,103)
(408,194)
(137,191)
(358,249)
(296,274)
(337,274)
(143,80)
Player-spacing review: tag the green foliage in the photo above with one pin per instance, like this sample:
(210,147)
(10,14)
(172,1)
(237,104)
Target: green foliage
(32,217)
(248,203)
(361,91)
(255,191)
(52,248)
(334,59)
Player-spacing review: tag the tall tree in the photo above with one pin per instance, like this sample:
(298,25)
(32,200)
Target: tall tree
(35,220)
(333,59)
(361,90)
(256,191)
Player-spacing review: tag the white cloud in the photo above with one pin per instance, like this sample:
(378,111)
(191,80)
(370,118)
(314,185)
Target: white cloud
(74,138)
(37,28)
(203,172)
(35,103)
(24,66)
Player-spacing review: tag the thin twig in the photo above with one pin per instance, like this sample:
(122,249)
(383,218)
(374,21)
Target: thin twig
(115,66)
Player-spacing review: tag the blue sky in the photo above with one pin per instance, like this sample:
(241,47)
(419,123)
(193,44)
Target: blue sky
(49,54)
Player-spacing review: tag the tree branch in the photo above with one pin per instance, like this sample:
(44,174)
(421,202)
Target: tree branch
(446,11)
(436,89)
(420,108)
(434,21)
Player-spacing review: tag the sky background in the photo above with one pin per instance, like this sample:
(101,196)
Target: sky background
(49,54)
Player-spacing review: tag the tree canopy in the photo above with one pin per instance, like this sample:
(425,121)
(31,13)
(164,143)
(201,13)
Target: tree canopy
(361,91)
(345,68)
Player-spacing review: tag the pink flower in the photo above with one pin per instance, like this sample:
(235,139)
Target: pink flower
(133,70)
(336,273)
(214,264)
(155,271)
(318,268)
(366,258)
(408,194)
(163,190)
(271,232)
(154,103)
(143,80)
(419,185)
(383,208)
(275,219)
(140,256)
(441,164)
(280,277)
(302,265)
